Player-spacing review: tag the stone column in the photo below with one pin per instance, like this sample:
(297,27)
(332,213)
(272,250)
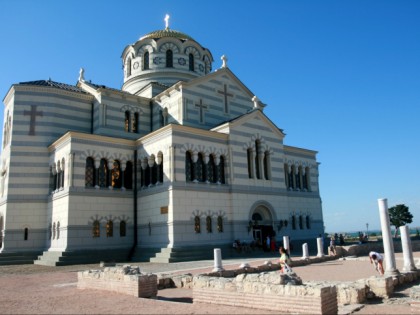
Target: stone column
(407,249)
(286,244)
(390,265)
(110,170)
(218,260)
(319,245)
(305,251)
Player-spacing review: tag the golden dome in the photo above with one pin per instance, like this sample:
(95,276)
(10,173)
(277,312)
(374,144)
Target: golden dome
(167,33)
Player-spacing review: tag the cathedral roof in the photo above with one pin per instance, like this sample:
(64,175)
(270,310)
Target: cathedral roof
(54,84)
(167,32)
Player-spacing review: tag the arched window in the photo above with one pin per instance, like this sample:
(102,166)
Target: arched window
(135,126)
(103,173)
(116,175)
(96,229)
(160,167)
(188,167)
(301,222)
(299,178)
(90,172)
(50,230)
(58,229)
(257,159)
(62,173)
(267,169)
(25,234)
(308,222)
(201,171)
(293,222)
(154,172)
(127,121)
(128,67)
(306,180)
(146,61)
(221,169)
(53,231)
(146,172)
(292,177)
(208,224)
(109,228)
(220,224)
(286,175)
(123,229)
(211,170)
(197,224)
(191,62)
(161,118)
(169,59)
(250,162)
(128,175)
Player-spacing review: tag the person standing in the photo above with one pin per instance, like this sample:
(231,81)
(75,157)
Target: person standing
(267,243)
(378,259)
(284,259)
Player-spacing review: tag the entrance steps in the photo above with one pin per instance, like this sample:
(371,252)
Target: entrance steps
(65,258)
(21,258)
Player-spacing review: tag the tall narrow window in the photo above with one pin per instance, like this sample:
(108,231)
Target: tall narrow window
(128,175)
(201,172)
(188,167)
(191,62)
(160,166)
(25,234)
(197,224)
(210,169)
(169,59)
(154,173)
(123,228)
(110,229)
(62,173)
(307,179)
(146,61)
(96,229)
(58,229)
(267,165)
(308,222)
(127,121)
(90,172)
(53,231)
(135,126)
(250,162)
(286,175)
(301,222)
(222,170)
(116,175)
(293,222)
(208,224)
(103,173)
(220,224)
(257,159)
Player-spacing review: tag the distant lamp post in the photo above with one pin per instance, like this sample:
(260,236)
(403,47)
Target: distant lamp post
(367,231)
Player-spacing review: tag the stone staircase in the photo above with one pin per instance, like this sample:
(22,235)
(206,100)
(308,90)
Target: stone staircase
(21,258)
(190,253)
(64,258)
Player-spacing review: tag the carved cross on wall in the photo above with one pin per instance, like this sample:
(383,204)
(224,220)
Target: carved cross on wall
(33,113)
(202,107)
(226,94)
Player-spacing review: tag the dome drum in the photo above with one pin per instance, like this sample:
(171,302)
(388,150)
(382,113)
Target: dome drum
(162,53)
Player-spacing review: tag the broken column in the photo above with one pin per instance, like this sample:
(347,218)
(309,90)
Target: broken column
(218,260)
(407,249)
(390,264)
(305,251)
(319,245)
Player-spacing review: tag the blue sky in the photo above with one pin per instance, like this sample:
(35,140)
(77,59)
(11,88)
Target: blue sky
(339,77)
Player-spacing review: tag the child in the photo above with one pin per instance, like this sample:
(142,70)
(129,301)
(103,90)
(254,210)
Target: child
(284,259)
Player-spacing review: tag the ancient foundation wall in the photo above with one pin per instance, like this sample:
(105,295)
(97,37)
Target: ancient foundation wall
(268,291)
(120,279)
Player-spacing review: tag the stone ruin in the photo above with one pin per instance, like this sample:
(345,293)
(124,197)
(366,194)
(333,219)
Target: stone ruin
(123,279)
(267,290)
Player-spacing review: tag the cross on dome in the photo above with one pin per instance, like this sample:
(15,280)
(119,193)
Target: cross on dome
(166,19)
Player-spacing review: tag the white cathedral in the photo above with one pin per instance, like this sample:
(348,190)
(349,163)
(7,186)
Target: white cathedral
(181,159)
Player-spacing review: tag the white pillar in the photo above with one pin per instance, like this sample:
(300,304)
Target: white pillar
(319,245)
(305,251)
(390,265)
(286,244)
(218,260)
(407,249)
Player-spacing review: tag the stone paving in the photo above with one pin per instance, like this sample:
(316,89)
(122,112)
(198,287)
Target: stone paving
(30,289)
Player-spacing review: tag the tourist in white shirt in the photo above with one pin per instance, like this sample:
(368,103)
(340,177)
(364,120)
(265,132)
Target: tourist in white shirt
(378,260)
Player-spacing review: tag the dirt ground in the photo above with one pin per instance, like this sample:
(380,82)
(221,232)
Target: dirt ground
(34,289)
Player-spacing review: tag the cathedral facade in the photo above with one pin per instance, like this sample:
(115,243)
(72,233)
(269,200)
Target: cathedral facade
(181,156)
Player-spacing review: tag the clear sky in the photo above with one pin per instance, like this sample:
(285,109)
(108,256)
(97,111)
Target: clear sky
(339,77)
